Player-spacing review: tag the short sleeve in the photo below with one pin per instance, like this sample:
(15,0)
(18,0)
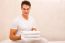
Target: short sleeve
(13,25)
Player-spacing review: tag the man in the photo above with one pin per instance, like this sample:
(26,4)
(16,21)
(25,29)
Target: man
(23,23)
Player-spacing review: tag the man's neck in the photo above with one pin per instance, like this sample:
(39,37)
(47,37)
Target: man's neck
(25,17)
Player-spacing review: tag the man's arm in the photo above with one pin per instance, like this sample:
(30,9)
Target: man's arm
(13,36)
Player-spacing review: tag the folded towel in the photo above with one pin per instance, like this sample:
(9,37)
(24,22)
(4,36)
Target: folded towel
(30,35)
(30,38)
(30,32)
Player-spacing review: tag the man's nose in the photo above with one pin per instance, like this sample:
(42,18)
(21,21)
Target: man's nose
(26,10)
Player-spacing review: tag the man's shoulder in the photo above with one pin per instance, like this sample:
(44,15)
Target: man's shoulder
(32,18)
(16,19)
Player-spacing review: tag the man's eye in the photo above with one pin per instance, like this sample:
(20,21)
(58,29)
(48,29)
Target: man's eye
(27,9)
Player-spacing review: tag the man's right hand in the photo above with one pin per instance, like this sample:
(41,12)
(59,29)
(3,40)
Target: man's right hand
(13,36)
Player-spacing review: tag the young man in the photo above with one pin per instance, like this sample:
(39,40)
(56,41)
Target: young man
(22,23)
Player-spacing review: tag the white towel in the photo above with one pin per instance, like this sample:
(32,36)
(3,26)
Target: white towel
(30,39)
(30,32)
(30,35)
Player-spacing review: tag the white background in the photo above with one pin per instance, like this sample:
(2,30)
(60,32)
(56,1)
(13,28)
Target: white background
(49,14)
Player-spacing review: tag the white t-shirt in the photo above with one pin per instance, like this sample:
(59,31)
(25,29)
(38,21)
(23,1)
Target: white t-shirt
(23,25)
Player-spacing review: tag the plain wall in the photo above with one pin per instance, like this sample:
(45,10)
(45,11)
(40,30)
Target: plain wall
(49,14)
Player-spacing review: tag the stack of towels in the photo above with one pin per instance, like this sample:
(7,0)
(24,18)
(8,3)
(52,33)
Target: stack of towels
(30,35)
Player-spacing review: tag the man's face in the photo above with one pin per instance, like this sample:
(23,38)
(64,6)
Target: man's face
(25,10)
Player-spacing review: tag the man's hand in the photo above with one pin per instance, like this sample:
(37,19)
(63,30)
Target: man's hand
(13,36)
(34,29)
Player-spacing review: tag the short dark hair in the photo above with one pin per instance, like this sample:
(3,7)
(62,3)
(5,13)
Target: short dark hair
(26,3)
